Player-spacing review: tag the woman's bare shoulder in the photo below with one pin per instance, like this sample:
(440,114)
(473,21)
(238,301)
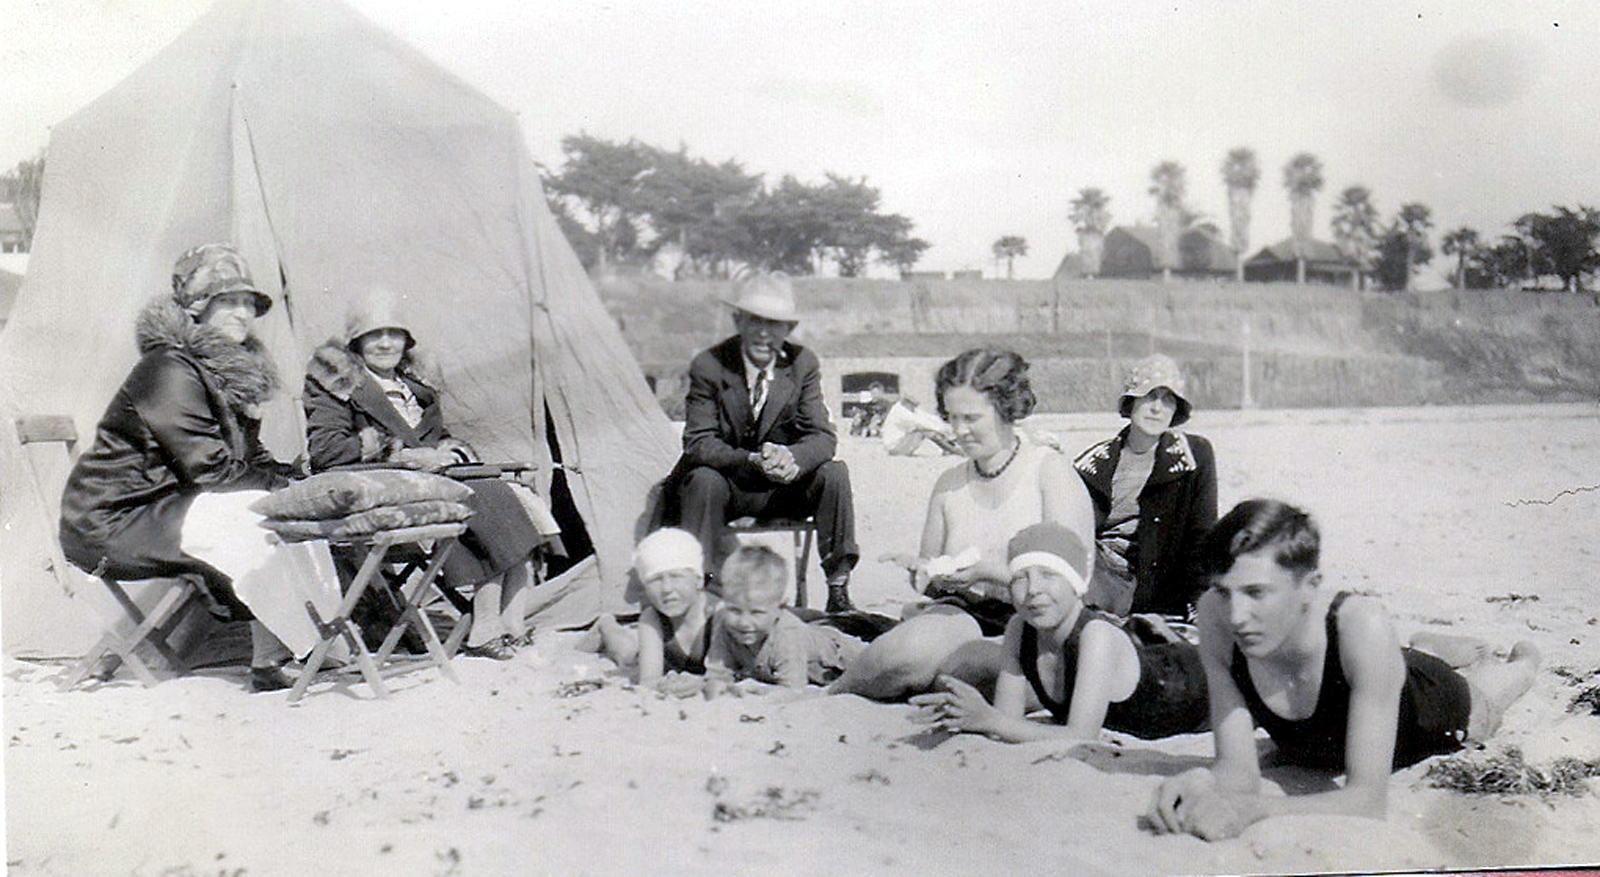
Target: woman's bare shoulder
(950,479)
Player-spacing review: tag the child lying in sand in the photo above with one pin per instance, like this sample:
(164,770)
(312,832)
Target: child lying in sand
(754,637)
(1081,663)
(674,629)
(1323,674)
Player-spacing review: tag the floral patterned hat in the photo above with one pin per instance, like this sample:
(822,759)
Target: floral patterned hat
(1154,371)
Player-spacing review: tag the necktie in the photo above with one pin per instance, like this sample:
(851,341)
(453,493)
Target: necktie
(758,394)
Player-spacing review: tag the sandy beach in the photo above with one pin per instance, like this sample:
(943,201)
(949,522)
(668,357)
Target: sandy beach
(1481,522)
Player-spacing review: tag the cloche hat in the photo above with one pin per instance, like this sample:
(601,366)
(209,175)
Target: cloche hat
(1053,547)
(379,308)
(1155,371)
(210,270)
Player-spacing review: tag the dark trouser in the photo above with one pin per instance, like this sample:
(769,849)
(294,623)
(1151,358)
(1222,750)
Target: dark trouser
(708,500)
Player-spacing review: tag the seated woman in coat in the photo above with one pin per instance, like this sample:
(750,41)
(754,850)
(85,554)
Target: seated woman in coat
(1154,488)
(365,403)
(165,489)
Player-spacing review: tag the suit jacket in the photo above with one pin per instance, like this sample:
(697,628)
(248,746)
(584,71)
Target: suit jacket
(719,432)
(1176,507)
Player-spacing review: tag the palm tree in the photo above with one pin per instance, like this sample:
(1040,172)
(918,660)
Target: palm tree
(1240,173)
(1009,248)
(1414,222)
(1463,244)
(1302,176)
(1355,228)
(1167,185)
(1091,216)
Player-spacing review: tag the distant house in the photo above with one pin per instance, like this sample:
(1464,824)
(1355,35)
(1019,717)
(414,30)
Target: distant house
(1203,253)
(1070,268)
(967,274)
(12,237)
(1130,251)
(1324,264)
(921,275)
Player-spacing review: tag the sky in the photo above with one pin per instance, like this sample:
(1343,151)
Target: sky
(982,119)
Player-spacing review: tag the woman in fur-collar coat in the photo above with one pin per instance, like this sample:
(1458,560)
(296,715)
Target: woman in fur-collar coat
(185,425)
(366,403)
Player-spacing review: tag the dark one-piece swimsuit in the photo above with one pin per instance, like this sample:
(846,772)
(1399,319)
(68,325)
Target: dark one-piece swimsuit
(1169,699)
(1435,705)
(674,658)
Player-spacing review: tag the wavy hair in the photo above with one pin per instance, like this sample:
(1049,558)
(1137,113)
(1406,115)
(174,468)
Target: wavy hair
(1000,375)
(1258,524)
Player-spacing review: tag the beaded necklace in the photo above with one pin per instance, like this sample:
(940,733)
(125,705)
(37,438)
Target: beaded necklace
(990,476)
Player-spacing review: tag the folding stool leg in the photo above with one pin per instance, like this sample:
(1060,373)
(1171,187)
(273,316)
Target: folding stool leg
(803,548)
(340,625)
(411,615)
(148,628)
(154,629)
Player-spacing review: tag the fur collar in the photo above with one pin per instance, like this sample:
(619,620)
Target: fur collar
(339,371)
(243,373)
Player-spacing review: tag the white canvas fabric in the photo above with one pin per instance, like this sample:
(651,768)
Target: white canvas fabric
(335,157)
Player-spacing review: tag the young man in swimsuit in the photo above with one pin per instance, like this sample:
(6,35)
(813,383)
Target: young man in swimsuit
(1326,677)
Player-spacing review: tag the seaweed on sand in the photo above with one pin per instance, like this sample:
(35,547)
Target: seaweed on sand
(1506,772)
(1587,699)
(775,803)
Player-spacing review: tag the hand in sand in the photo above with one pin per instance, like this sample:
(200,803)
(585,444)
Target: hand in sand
(680,685)
(1193,803)
(959,707)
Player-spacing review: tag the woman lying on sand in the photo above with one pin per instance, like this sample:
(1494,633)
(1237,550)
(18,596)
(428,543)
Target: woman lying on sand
(1323,674)
(1080,663)
(1007,483)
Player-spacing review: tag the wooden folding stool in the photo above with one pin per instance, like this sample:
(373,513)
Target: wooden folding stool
(151,628)
(376,546)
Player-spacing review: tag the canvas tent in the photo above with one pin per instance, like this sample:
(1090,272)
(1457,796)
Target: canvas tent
(336,157)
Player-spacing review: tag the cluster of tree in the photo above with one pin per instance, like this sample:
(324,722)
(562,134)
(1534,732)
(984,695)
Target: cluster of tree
(625,203)
(21,187)
(1560,244)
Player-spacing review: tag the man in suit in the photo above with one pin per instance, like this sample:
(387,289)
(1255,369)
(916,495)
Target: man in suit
(757,439)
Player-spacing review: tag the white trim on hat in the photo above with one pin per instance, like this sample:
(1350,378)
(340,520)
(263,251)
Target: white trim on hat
(1053,562)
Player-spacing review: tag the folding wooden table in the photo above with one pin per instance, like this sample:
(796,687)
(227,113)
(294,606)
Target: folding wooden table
(436,541)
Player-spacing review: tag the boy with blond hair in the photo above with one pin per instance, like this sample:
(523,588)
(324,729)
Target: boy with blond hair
(753,636)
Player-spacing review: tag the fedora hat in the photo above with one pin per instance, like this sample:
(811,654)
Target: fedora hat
(770,296)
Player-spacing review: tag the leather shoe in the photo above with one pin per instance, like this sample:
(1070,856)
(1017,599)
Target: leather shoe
(269,679)
(497,649)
